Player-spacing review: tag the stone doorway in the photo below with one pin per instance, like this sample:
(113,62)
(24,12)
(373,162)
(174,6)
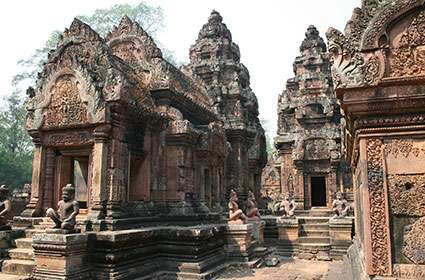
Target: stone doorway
(318,191)
(73,167)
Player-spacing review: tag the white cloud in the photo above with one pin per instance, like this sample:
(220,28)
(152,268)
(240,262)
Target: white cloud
(268,32)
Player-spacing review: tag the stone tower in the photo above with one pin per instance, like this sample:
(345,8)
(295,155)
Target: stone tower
(215,59)
(309,128)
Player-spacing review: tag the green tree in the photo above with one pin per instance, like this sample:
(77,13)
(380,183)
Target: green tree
(15,144)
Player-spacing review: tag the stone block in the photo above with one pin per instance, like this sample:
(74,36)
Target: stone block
(60,256)
(340,231)
(238,241)
(288,229)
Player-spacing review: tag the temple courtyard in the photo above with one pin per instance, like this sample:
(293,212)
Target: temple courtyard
(145,170)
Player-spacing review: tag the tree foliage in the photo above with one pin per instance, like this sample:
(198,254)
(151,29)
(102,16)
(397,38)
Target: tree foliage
(15,144)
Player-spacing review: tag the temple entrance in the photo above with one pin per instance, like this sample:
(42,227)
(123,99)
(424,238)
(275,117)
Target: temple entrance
(318,191)
(73,169)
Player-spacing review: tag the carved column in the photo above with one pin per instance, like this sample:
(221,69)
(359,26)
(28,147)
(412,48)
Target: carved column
(34,208)
(49,177)
(299,186)
(377,237)
(331,185)
(99,170)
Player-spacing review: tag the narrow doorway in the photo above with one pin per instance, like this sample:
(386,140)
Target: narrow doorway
(318,191)
(73,170)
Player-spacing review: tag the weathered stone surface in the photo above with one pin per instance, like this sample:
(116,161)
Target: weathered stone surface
(61,256)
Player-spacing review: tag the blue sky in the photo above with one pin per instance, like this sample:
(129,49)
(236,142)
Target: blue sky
(268,32)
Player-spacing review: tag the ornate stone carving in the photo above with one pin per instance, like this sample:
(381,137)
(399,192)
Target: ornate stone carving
(380,251)
(403,148)
(408,58)
(69,139)
(131,52)
(66,107)
(414,246)
(406,194)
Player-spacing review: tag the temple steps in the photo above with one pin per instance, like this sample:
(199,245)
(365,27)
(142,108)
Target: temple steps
(21,254)
(24,243)
(5,276)
(314,240)
(19,267)
(21,262)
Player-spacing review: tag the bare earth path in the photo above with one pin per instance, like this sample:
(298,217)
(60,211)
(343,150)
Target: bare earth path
(290,269)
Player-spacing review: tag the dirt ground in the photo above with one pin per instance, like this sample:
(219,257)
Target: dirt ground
(290,269)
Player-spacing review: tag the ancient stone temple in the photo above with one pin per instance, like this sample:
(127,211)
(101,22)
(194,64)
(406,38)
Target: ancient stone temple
(146,148)
(378,71)
(215,59)
(309,129)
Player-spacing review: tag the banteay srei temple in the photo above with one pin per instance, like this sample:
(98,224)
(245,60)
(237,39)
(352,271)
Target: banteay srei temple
(145,170)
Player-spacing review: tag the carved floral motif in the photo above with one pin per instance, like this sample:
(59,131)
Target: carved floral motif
(409,56)
(414,246)
(403,148)
(381,258)
(407,194)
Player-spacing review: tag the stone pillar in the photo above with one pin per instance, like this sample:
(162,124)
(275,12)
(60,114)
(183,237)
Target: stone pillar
(331,185)
(288,236)
(60,256)
(340,231)
(49,177)
(299,187)
(34,207)
(99,170)
(238,242)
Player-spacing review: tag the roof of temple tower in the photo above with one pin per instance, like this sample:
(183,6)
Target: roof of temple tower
(215,61)
(133,45)
(313,40)
(215,28)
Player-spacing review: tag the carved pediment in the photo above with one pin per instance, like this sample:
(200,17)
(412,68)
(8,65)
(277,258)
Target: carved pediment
(131,43)
(383,39)
(66,107)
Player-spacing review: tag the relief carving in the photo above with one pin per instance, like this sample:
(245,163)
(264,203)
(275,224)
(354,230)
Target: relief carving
(403,148)
(381,258)
(409,56)
(414,245)
(69,139)
(66,107)
(407,194)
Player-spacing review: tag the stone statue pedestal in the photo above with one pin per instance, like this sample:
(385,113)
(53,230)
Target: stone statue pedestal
(288,229)
(258,230)
(238,241)
(340,230)
(60,256)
